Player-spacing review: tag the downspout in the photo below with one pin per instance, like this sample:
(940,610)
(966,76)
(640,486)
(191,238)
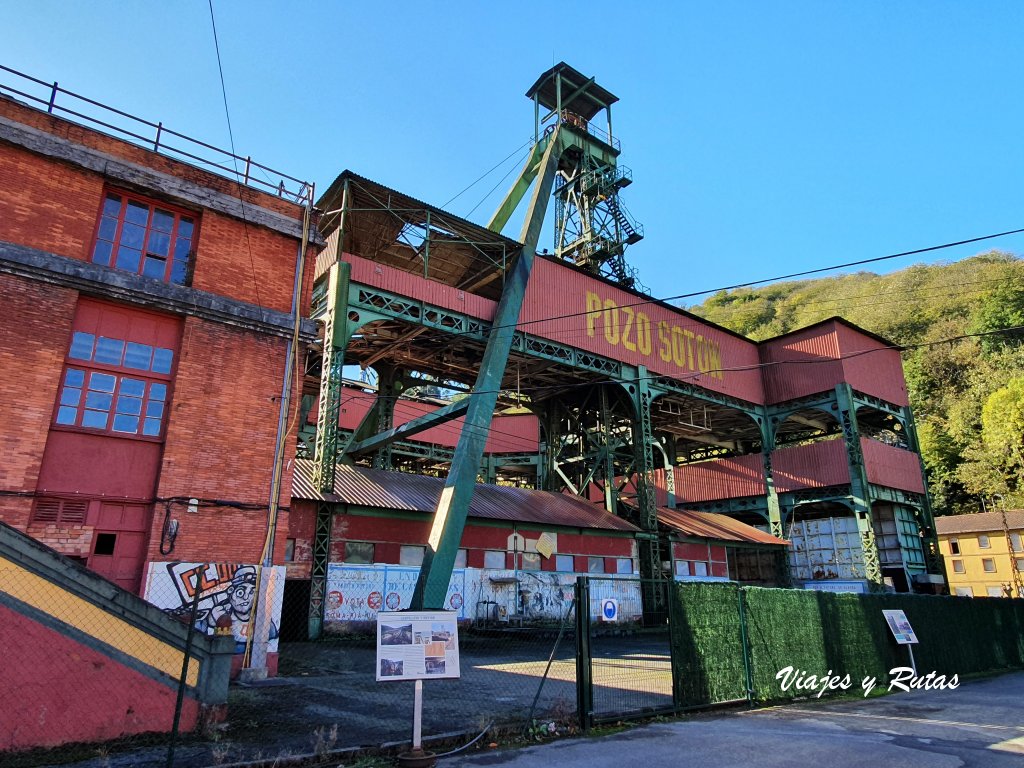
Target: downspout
(256,652)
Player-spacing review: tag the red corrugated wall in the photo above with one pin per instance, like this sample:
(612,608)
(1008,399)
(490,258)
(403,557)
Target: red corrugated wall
(801,363)
(718,479)
(810,466)
(508,434)
(871,367)
(568,306)
(892,467)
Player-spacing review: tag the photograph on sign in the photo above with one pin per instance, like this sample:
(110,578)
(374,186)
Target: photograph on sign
(900,627)
(420,645)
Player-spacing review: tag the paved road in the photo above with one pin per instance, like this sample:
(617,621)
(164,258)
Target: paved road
(979,724)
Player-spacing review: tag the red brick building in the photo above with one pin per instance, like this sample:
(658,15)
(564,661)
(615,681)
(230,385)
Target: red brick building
(150,314)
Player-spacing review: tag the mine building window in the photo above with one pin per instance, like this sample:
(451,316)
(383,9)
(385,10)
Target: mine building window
(1020,564)
(531,561)
(595,565)
(494,558)
(411,555)
(565,563)
(1016,543)
(988,564)
(145,237)
(958,566)
(983,541)
(682,567)
(995,592)
(954,546)
(54,511)
(624,565)
(358,553)
(460,559)
(289,550)
(105,543)
(117,372)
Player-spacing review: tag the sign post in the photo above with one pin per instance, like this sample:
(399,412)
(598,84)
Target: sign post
(417,646)
(903,632)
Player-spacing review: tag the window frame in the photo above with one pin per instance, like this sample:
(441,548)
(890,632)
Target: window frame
(954,546)
(958,566)
(89,368)
(345,553)
(560,560)
(984,542)
(411,549)
(173,236)
(986,562)
(491,554)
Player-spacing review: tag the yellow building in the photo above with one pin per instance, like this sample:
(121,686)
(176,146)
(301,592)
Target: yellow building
(980,553)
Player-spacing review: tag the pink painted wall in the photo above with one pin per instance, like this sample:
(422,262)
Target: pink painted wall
(892,467)
(508,434)
(568,306)
(68,692)
(810,466)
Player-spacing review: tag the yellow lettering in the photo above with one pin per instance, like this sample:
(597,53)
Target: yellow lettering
(593,310)
(689,349)
(628,312)
(702,364)
(611,321)
(665,340)
(643,333)
(678,346)
(715,359)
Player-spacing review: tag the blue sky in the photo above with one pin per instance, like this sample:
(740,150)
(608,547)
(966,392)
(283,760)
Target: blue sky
(765,137)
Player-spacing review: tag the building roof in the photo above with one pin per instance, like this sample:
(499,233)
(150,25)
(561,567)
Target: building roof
(707,525)
(418,493)
(587,102)
(980,522)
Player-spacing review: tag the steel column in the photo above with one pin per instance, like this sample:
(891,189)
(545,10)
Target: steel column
(318,572)
(453,506)
(335,339)
(859,489)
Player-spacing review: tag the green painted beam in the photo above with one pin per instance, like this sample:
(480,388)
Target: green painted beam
(453,506)
(520,186)
(419,424)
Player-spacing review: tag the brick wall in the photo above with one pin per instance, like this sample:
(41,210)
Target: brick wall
(47,205)
(31,355)
(245,262)
(133,154)
(220,442)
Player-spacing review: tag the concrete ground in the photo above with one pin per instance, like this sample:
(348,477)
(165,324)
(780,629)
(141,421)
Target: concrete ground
(981,723)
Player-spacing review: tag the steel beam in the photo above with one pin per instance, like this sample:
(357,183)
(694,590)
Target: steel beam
(453,506)
(419,424)
(335,339)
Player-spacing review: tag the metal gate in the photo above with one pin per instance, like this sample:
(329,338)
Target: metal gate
(623,649)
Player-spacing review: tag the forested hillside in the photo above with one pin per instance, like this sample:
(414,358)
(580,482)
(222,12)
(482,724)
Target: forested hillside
(966,382)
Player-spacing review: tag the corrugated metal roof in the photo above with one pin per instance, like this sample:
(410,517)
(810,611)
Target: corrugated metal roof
(419,493)
(708,525)
(980,522)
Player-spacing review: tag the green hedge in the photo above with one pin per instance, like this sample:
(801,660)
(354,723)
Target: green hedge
(821,633)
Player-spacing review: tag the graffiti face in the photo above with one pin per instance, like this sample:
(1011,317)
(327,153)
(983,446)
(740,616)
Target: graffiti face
(240,597)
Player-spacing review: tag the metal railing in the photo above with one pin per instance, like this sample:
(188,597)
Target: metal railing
(154,136)
(587,126)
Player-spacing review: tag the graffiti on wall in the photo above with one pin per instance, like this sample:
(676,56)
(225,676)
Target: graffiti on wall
(227,596)
(355,593)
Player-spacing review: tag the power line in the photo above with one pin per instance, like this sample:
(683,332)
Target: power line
(540,389)
(819,270)
(485,174)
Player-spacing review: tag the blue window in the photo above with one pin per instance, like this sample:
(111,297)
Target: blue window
(144,237)
(114,385)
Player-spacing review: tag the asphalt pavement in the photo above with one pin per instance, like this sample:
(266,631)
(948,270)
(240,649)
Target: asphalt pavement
(980,723)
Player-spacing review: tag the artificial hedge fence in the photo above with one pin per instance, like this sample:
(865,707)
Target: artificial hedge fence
(727,639)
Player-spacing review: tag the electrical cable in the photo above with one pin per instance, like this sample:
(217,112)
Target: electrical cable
(485,174)
(664,300)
